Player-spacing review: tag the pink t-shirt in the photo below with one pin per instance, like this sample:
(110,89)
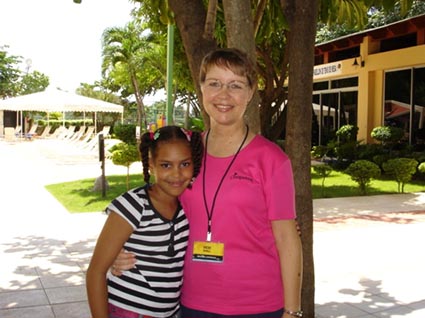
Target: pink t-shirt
(257,189)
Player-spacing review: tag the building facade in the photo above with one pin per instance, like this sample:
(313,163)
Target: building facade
(372,78)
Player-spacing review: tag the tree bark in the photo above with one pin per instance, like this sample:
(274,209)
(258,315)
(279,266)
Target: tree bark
(240,34)
(190,17)
(141,114)
(302,16)
(210,21)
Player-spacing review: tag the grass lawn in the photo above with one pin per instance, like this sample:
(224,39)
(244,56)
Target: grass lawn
(78,196)
(339,184)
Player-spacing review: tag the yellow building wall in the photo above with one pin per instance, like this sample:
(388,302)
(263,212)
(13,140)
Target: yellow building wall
(363,110)
(408,57)
(371,80)
(376,102)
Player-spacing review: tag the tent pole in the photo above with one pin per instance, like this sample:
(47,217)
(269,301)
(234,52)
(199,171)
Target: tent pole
(22,124)
(170,52)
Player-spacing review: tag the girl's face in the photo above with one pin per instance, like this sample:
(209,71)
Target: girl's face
(225,95)
(172,167)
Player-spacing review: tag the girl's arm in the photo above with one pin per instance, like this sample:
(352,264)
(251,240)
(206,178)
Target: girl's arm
(114,234)
(288,244)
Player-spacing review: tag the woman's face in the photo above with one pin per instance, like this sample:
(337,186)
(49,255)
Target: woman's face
(225,95)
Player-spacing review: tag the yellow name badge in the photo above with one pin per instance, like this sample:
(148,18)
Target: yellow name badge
(208,252)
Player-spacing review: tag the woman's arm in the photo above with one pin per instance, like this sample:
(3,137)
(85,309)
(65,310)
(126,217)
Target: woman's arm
(123,262)
(288,244)
(114,234)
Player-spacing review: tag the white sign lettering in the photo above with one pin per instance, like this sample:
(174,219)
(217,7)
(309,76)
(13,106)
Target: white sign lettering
(325,70)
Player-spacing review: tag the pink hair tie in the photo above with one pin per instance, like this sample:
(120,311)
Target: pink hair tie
(188,134)
(151,135)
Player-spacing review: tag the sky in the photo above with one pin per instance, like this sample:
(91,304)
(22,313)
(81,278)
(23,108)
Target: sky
(61,38)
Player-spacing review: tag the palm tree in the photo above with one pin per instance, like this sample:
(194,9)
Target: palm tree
(122,50)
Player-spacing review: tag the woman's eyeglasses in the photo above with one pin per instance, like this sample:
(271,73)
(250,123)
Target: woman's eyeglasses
(215,86)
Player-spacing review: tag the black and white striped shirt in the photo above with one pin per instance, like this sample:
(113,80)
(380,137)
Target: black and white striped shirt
(153,287)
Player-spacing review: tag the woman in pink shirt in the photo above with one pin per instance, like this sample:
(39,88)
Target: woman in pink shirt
(244,257)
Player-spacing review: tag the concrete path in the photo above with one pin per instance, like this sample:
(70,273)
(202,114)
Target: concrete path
(369,259)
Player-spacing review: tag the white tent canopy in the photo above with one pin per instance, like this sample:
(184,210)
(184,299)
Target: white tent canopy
(58,101)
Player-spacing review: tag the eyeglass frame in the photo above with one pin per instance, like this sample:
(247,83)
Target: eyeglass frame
(232,89)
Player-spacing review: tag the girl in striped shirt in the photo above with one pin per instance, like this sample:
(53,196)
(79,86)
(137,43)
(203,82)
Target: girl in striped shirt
(149,222)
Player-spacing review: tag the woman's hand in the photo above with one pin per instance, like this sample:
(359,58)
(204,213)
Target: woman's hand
(123,262)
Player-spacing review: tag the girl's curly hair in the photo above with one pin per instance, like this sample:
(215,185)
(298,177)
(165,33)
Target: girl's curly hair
(151,140)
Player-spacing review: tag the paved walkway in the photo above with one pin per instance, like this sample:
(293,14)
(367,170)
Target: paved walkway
(369,259)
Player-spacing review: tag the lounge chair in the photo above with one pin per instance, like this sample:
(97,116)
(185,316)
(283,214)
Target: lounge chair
(105,132)
(18,131)
(92,143)
(45,132)
(58,131)
(87,135)
(78,134)
(68,132)
(32,132)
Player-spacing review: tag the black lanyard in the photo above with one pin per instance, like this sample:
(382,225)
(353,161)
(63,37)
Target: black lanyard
(210,212)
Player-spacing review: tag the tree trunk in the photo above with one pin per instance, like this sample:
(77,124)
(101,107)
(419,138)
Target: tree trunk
(210,21)
(240,34)
(190,17)
(141,114)
(302,16)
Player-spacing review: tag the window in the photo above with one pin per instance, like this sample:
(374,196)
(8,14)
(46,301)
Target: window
(404,105)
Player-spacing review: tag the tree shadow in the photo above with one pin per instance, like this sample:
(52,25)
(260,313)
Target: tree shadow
(35,262)
(408,217)
(373,302)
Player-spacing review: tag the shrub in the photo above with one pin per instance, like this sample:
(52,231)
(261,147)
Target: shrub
(401,169)
(362,172)
(318,152)
(196,124)
(324,171)
(347,151)
(347,133)
(124,155)
(387,134)
(419,156)
(368,151)
(380,159)
(126,133)
(421,168)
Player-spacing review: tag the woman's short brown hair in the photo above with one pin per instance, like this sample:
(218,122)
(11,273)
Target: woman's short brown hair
(233,59)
